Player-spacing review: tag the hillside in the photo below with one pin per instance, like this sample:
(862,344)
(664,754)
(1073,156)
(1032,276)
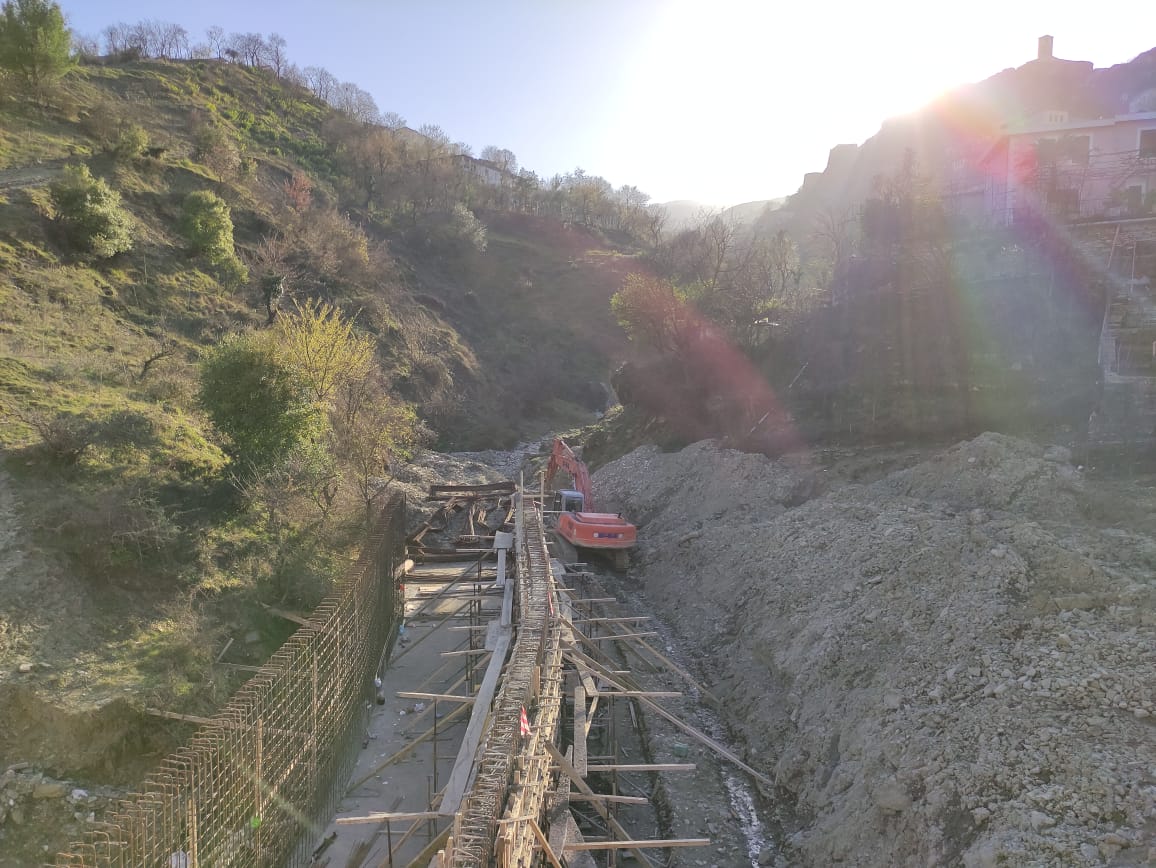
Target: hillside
(136,542)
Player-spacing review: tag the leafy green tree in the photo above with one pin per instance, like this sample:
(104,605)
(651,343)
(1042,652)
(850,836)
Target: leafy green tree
(258,402)
(35,45)
(91,214)
(317,342)
(208,229)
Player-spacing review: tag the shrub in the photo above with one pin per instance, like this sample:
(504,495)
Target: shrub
(114,533)
(64,437)
(91,214)
(454,232)
(258,402)
(130,143)
(208,228)
(216,149)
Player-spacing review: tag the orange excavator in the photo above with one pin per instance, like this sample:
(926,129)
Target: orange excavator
(578,524)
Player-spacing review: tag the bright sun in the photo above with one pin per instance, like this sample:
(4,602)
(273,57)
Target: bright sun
(733,82)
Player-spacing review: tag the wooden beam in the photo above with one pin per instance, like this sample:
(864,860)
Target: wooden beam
(405,751)
(465,652)
(641,767)
(387,817)
(426,856)
(459,777)
(580,730)
(599,797)
(441,697)
(568,769)
(544,844)
(291,616)
(653,694)
(616,636)
(595,666)
(628,845)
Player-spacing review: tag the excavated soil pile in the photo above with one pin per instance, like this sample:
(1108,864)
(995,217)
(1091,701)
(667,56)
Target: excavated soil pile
(951,665)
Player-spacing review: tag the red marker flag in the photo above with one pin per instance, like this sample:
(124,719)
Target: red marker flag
(524,723)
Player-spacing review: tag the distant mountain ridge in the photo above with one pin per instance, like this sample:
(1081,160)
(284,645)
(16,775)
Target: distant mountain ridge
(687,213)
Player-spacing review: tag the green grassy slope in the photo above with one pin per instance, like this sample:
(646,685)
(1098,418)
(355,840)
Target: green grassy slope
(140,559)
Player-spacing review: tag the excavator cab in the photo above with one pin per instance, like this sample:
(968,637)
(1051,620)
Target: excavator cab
(568,500)
(604,532)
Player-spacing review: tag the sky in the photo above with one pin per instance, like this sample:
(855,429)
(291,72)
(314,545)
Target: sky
(718,101)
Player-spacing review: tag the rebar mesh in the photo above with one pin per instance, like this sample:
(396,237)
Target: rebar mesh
(536,646)
(251,787)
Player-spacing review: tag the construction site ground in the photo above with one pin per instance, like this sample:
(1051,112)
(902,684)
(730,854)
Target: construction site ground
(939,655)
(433,627)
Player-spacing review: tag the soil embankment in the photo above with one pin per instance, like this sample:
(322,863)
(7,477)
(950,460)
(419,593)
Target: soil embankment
(951,664)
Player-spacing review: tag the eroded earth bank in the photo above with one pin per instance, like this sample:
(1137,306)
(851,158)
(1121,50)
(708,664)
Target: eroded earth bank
(945,660)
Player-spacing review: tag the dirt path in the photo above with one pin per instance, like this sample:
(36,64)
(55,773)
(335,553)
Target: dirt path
(30,176)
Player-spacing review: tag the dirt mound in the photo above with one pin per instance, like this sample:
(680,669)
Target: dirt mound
(949,664)
(996,472)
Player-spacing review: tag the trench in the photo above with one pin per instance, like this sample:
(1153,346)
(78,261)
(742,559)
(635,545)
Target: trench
(756,816)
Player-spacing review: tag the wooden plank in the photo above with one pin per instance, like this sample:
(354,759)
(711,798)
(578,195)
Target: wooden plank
(447,697)
(465,652)
(660,844)
(568,769)
(613,637)
(505,487)
(460,775)
(641,767)
(617,800)
(387,817)
(653,694)
(408,749)
(590,713)
(544,844)
(426,856)
(580,730)
(722,751)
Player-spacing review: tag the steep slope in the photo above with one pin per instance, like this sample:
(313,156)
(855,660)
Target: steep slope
(140,550)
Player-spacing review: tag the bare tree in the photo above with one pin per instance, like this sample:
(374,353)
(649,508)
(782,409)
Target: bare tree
(85,46)
(144,38)
(503,158)
(216,40)
(171,41)
(275,53)
(292,74)
(321,82)
(355,102)
(392,121)
(116,38)
(719,236)
(655,219)
(248,48)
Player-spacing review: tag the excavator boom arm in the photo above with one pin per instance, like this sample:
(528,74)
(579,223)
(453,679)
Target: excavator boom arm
(562,457)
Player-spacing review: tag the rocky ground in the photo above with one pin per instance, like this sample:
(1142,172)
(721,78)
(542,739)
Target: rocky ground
(951,663)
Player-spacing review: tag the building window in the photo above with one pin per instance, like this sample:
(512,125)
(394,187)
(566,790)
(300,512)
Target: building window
(1065,203)
(1148,143)
(1133,198)
(1073,149)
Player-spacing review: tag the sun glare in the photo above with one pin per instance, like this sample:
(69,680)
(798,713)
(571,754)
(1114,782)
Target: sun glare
(739,81)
